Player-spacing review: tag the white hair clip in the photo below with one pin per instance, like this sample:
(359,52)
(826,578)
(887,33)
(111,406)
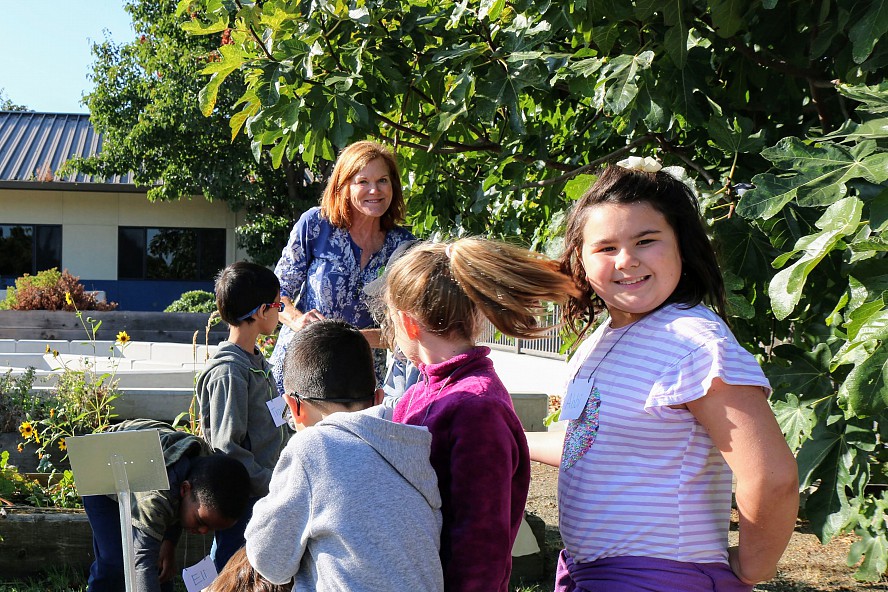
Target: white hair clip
(447,250)
(644,164)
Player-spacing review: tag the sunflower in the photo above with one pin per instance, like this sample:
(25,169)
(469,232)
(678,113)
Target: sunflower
(62,445)
(68,299)
(48,349)
(27,430)
(123,338)
(21,447)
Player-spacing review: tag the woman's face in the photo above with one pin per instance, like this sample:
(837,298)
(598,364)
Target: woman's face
(370,190)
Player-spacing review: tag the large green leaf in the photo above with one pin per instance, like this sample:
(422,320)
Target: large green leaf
(822,174)
(825,456)
(795,419)
(801,373)
(867,31)
(617,86)
(839,220)
(871,552)
(864,393)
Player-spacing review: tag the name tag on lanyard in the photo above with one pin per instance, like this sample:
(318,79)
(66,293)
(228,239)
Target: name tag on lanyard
(575,399)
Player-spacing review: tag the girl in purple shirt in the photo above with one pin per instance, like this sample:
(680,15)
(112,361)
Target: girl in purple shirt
(436,297)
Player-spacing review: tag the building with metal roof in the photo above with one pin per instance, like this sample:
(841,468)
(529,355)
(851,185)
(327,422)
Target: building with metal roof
(143,255)
(34,146)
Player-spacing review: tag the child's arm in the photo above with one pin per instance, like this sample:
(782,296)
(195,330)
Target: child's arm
(742,426)
(546,447)
(278,532)
(228,410)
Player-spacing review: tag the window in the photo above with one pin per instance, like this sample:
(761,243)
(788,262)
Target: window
(169,253)
(29,248)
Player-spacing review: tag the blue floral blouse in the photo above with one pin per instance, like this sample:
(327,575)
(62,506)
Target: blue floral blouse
(321,268)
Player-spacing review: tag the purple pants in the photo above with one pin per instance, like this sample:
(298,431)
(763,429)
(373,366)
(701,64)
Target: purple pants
(644,574)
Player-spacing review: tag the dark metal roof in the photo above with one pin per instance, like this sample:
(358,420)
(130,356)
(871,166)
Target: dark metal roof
(34,146)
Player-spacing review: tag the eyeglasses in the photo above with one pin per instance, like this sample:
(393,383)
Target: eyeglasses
(299,398)
(277,305)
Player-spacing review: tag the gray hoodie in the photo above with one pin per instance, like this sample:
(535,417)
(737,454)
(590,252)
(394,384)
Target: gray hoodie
(353,505)
(232,392)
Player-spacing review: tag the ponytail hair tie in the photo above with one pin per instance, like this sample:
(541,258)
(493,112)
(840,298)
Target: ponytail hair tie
(447,250)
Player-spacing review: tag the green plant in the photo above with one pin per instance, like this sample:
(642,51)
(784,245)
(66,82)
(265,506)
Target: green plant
(193,301)
(81,402)
(51,290)
(13,486)
(16,398)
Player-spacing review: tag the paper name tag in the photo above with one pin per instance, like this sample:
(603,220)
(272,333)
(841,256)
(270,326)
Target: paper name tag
(276,407)
(200,575)
(574,402)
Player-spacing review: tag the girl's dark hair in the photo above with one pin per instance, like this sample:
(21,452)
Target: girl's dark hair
(700,280)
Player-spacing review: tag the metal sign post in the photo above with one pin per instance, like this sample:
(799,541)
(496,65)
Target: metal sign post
(120,463)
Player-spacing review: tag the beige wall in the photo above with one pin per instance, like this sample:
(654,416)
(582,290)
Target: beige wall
(90,219)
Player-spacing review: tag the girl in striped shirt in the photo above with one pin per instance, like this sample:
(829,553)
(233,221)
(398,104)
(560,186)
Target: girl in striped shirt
(664,404)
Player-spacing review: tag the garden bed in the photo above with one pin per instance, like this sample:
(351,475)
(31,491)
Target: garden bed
(167,327)
(34,539)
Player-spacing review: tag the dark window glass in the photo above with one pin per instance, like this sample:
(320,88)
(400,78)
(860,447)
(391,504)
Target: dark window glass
(130,253)
(48,250)
(29,248)
(170,253)
(212,252)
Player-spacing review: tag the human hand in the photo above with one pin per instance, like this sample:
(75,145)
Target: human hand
(166,561)
(734,562)
(307,319)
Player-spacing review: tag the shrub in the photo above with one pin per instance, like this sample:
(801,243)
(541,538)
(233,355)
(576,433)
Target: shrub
(193,301)
(52,290)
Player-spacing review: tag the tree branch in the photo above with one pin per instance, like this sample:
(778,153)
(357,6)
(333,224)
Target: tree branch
(814,78)
(256,36)
(586,167)
(672,149)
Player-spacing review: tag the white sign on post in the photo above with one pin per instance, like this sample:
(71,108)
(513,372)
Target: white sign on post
(119,463)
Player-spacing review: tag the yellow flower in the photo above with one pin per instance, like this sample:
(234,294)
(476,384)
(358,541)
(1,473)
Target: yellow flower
(48,349)
(39,456)
(27,430)
(52,412)
(55,353)
(62,445)
(68,299)
(123,338)
(21,447)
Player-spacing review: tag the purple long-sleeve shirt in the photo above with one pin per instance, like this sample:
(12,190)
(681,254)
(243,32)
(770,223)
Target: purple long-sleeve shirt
(480,455)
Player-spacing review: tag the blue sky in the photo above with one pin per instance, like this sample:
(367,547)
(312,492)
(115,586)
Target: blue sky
(45,49)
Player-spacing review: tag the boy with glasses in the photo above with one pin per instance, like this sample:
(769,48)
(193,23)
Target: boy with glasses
(236,385)
(354,501)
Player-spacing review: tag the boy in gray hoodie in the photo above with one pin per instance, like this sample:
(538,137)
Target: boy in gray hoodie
(236,385)
(353,502)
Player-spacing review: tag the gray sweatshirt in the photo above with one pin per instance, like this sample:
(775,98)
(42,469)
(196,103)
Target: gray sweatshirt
(353,506)
(232,392)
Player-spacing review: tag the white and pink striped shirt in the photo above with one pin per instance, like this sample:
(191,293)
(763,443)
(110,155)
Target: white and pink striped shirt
(649,482)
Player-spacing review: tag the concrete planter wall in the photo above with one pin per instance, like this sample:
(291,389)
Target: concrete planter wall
(168,327)
(31,540)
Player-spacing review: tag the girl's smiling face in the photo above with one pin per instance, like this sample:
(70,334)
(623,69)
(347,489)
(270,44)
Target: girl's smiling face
(631,257)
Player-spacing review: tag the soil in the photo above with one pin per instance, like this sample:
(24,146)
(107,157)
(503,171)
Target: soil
(807,566)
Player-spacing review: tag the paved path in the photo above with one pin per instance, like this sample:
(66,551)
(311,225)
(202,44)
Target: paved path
(523,373)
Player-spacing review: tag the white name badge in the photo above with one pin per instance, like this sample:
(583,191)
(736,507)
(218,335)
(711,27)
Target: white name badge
(574,402)
(200,575)
(276,407)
